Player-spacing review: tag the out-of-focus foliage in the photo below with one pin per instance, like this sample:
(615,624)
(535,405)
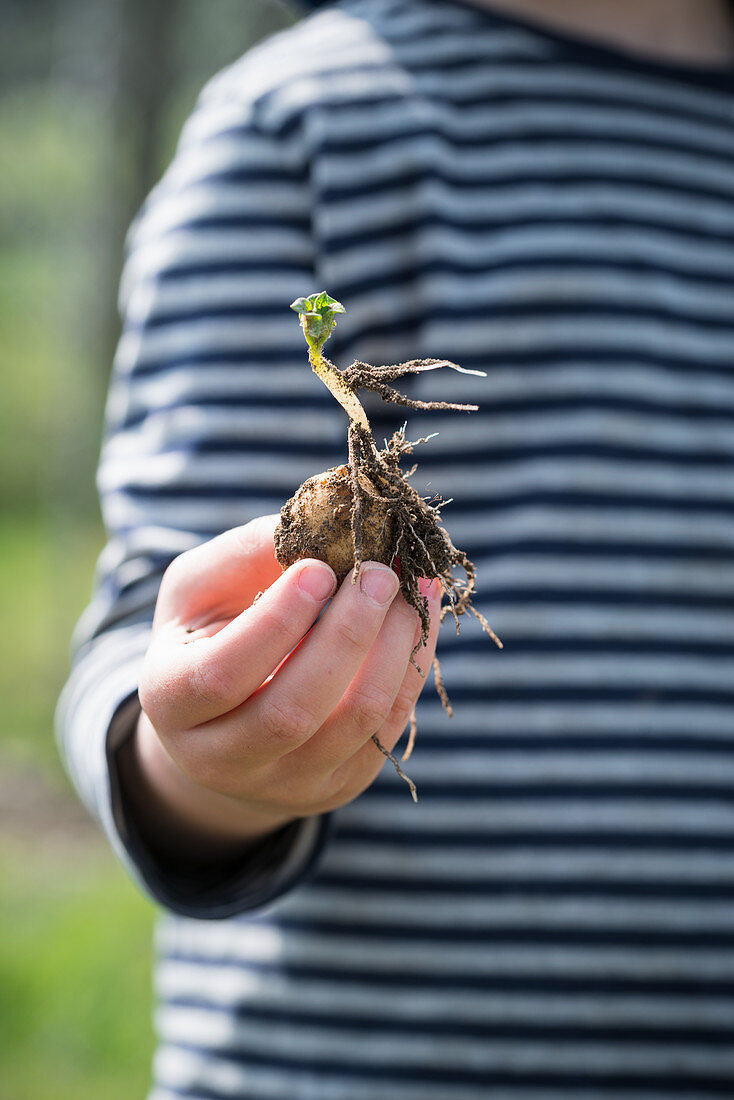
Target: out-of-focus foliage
(92,97)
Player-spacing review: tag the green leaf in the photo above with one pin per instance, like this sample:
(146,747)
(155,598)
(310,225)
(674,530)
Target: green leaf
(325,302)
(301,305)
(321,303)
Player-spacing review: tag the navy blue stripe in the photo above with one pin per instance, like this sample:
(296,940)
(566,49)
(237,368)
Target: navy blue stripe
(587,837)
(645,647)
(283,401)
(478,181)
(548,790)
(715,115)
(586,887)
(680,1081)
(505,594)
(624,358)
(629,741)
(680,413)
(519,310)
(482,453)
(679,504)
(644,502)
(690,552)
(510,1081)
(402,229)
(510,935)
(458,265)
(448,141)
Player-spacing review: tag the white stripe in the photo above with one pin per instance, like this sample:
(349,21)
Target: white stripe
(189,246)
(485,247)
(484,166)
(223,986)
(592,427)
(187,422)
(629,380)
(578,82)
(368,1046)
(444,863)
(430,911)
(197,513)
(153,470)
(251,943)
(612,624)
(450,815)
(644,673)
(582,201)
(220,381)
(477,124)
(553,719)
(612,525)
(605,571)
(667,482)
(181,1069)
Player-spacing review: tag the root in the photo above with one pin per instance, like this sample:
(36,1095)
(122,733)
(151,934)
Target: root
(417,545)
(440,689)
(394,761)
(411,737)
(421,547)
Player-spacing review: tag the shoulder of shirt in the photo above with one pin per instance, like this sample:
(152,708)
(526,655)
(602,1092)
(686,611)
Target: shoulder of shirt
(338,55)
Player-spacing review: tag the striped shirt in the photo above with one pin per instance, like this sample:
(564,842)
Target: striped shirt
(555,917)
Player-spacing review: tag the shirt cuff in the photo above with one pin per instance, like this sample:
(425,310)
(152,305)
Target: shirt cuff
(98,712)
(222,889)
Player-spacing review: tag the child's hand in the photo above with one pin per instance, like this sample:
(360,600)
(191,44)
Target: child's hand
(248,724)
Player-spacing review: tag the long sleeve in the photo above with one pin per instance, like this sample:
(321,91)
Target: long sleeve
(212,419)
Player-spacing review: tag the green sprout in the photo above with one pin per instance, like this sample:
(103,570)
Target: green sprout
(317,315)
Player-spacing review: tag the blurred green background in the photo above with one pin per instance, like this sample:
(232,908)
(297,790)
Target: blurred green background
(92,97)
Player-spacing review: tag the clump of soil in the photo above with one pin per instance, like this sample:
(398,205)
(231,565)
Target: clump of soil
(367,510)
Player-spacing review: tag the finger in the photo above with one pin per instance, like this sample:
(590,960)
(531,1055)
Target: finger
(187,685)
(382,695)
(372,693)
(297,701)
(355,774)
(221,577)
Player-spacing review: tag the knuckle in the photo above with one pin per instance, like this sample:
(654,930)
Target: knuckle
(350,636)
(152,694)
(176,573)
(278,623)
(210,687)
(286,725)
(402,709)
(369,706)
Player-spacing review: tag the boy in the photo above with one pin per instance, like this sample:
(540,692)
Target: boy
(543,191)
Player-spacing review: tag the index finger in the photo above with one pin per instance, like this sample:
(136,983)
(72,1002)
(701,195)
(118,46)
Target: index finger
(221,577)
(190,681)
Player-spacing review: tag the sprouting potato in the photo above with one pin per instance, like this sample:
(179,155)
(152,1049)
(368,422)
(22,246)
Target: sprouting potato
(367,510)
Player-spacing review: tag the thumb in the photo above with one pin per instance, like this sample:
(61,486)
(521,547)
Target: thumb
(219,578)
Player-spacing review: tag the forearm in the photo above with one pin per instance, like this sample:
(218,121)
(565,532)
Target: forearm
(178,818)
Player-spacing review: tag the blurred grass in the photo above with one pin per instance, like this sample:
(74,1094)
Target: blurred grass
(45,578)
(75,963)
(75,956)
(75,935)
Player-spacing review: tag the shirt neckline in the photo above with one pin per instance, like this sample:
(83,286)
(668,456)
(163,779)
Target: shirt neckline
(591,51)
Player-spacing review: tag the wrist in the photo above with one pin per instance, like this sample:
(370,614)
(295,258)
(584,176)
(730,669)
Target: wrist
(178,817)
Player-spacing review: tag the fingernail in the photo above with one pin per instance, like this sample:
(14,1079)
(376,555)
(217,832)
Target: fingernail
(378,582)
(317,580)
